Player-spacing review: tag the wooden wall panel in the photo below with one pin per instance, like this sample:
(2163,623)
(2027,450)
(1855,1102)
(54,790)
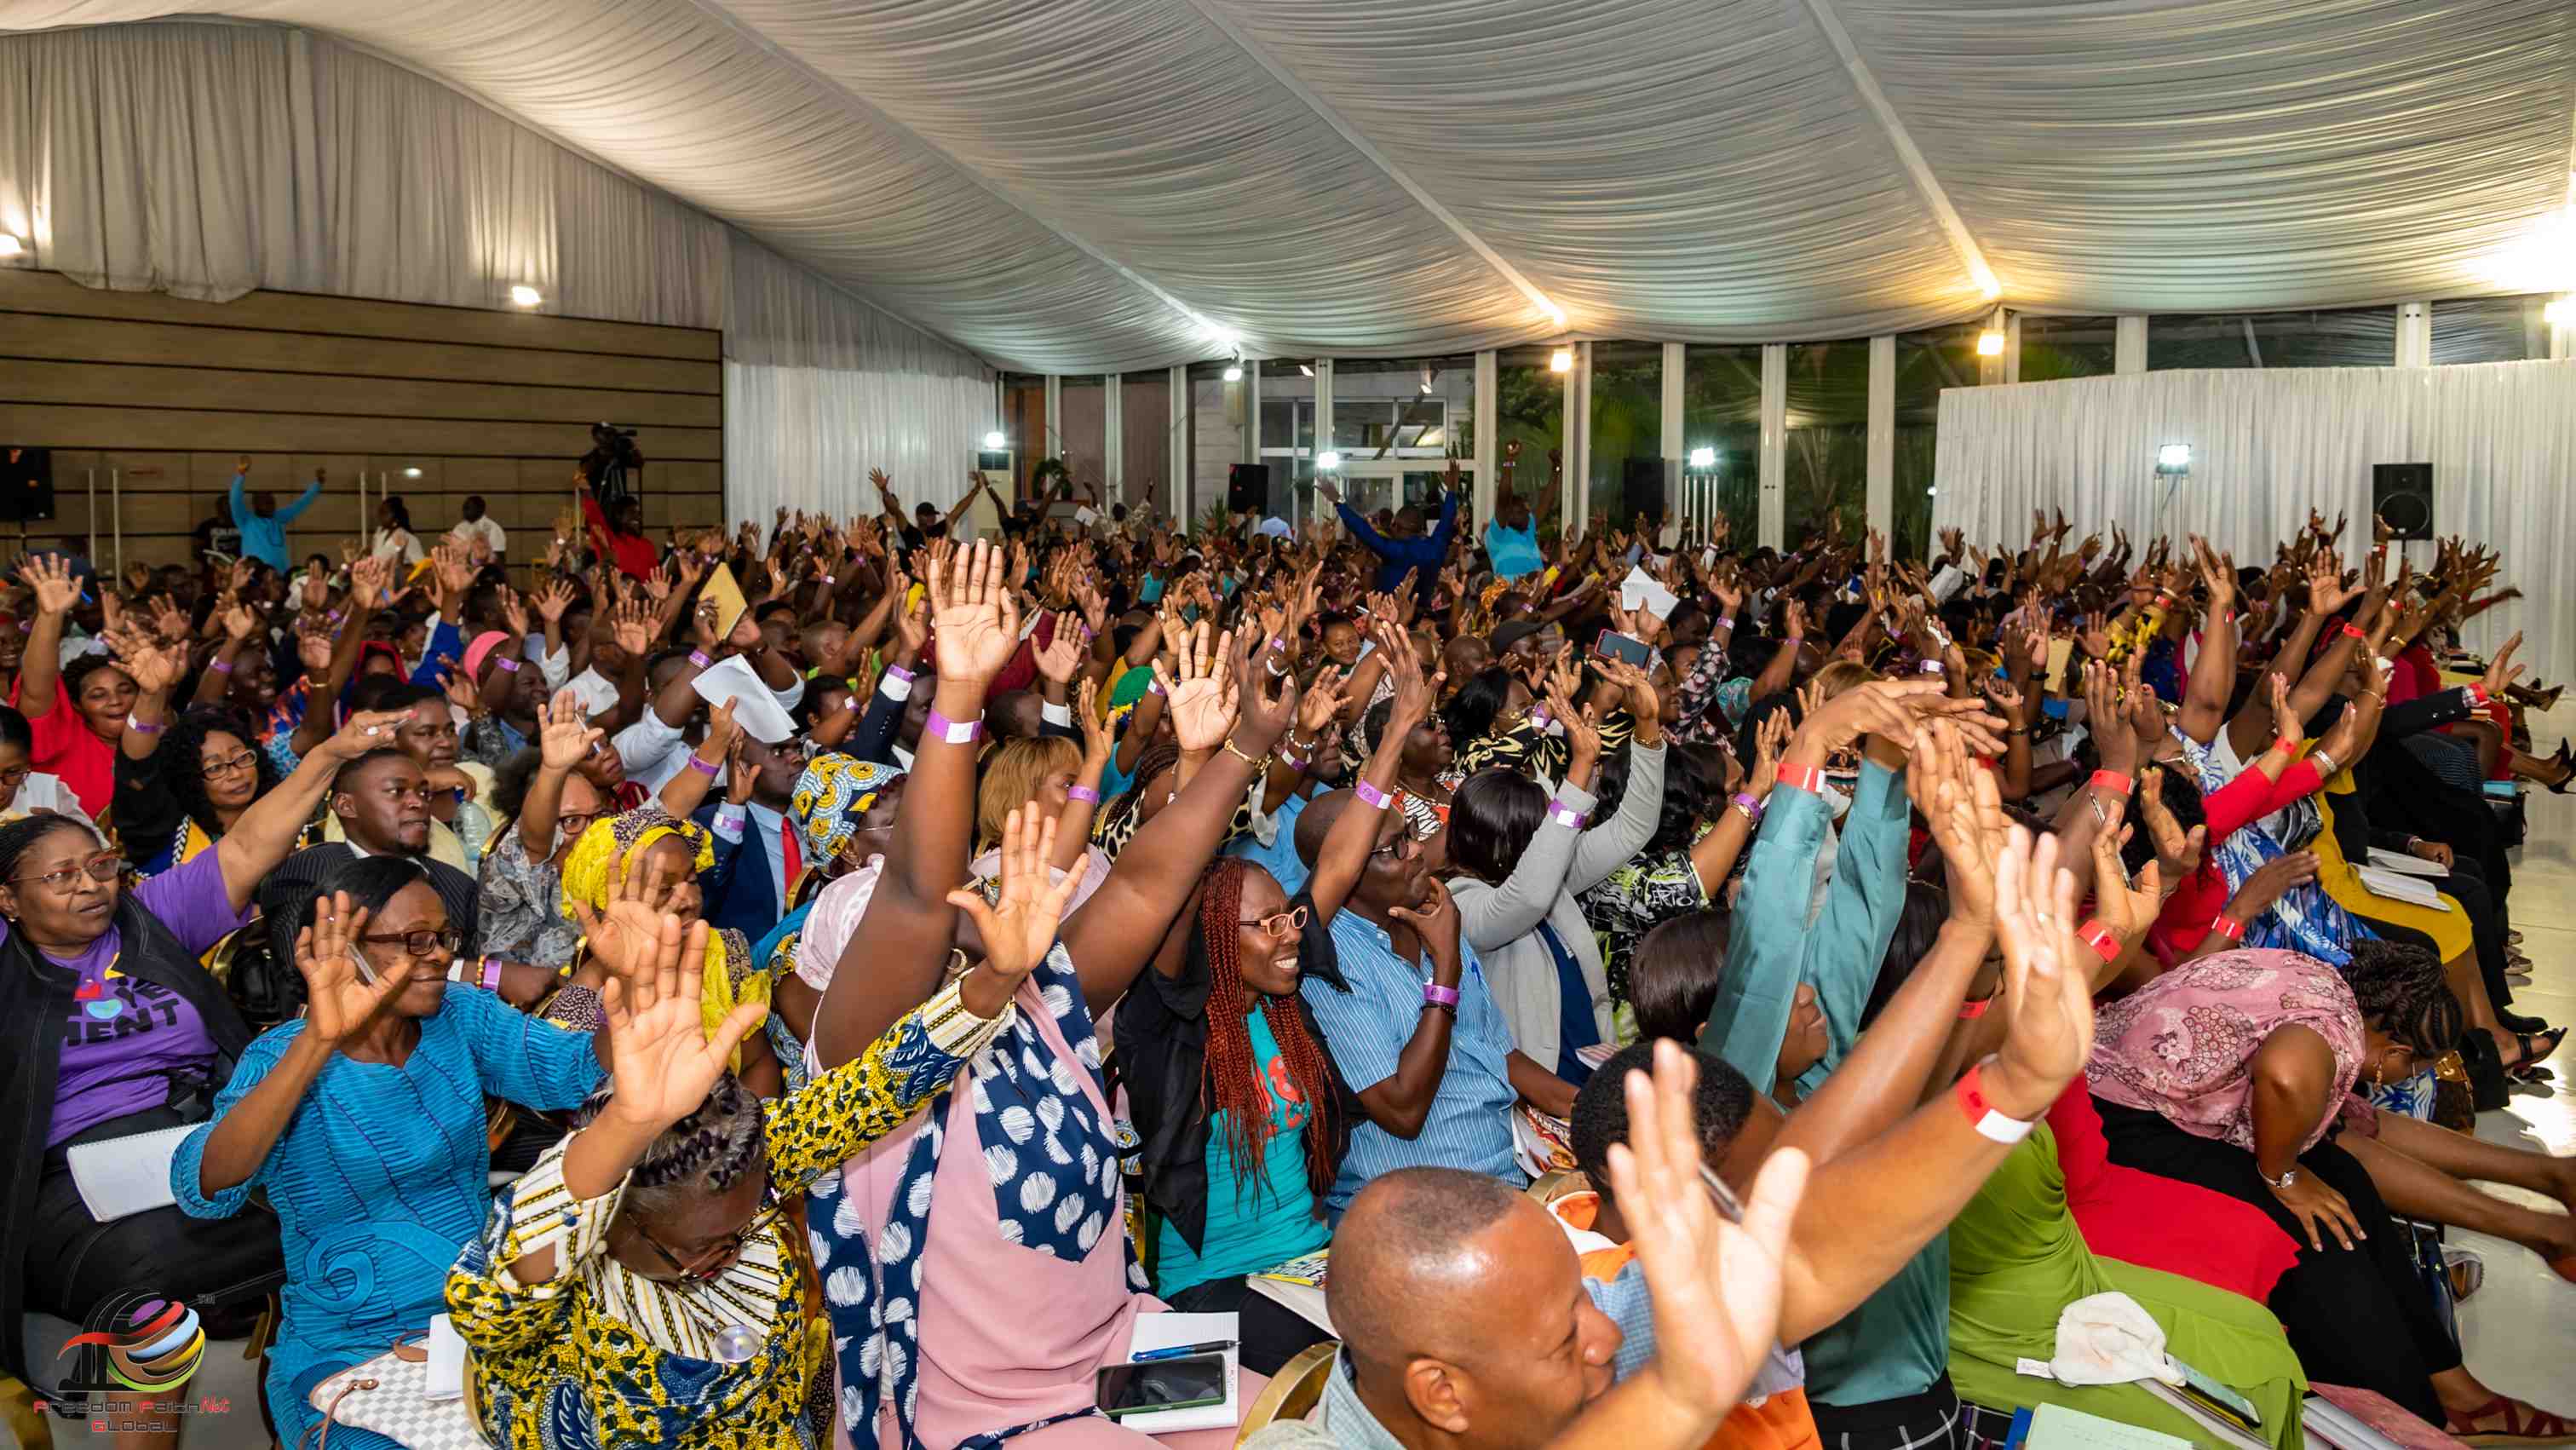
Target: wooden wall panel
(432,403)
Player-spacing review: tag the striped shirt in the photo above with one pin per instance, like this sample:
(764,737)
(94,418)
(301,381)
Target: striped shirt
(1469,1125)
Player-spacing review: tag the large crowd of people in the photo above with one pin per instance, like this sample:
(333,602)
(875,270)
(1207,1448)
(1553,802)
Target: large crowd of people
(1684,993)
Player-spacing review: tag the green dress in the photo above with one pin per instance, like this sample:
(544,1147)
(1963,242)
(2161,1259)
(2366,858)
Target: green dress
(2017,1259)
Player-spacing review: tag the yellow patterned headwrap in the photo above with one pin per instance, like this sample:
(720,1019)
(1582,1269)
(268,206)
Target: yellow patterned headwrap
(590,874)
(833,793)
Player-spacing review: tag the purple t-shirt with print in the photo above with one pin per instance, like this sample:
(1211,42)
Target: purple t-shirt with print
(126,1037)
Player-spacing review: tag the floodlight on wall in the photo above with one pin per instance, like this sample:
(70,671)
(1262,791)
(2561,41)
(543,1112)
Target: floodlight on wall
(1234,372)
(1703,458)
(1990,343)
(1561,360)
(523,295)
(10,246)
(2174,458)
(1328,461)
(994,440)
(411,473)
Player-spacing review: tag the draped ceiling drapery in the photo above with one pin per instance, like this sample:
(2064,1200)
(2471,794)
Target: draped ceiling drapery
(2270,444)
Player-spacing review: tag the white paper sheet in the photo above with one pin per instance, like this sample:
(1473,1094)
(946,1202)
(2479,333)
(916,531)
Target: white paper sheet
(446,1365)
(123,1176)
(755,708)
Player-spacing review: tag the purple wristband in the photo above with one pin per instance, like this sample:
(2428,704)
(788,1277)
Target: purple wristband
(1752,808)
(1371,796)
(1726,621)
(699,658)
(955,732)
(898,672)
(1082,793)
(221,667)
(491,974)
(1435,995)
(706,768)
(1564,815)
(507,663)
(141,728)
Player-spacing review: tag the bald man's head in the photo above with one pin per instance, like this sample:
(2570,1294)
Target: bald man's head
(1460,1306)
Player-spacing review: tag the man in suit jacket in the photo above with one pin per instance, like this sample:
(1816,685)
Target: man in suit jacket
(759,854)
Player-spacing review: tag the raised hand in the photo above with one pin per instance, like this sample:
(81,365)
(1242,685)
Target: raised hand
(1019,932)
(2177,850)
(2047,995)
(57,588)
(553,600)
(633,630)
(1199,688)
(2127,908)
(1715,1284)
(1436,920)
(975,613)
(564,733)
(621,937)
(156,667)
(1062,659)
(662,1057)
(1265,701)
(364,731)
(2269,882)
(338,1002)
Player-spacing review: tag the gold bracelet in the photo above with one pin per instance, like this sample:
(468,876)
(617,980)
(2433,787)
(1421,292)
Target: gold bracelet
(1258,765)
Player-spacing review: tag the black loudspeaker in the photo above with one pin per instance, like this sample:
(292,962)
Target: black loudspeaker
(2401,496)
(26,484)
(1247,488)
(1641,488)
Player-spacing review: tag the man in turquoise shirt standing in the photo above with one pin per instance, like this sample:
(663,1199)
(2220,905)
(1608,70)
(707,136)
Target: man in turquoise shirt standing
(1878,1380)
(262,522)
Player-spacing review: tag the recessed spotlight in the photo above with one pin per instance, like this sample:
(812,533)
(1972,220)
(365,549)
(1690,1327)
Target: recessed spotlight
(1703,458)
(523,295)
(1561,360)
(993,440)
(1990,343)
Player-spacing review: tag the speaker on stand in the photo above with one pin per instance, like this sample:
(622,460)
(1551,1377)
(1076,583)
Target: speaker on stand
(1247,488)
(26,484)
(2401,497)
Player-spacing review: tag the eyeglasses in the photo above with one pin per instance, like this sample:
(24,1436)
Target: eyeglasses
(573,823)
(712,1260)
(1278,924)
(226,764)
(422,943)
(16,775)
(101,868)
(1400,848)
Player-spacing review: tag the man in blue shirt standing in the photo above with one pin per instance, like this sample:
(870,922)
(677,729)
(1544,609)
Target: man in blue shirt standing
(262,522)
(1404,548)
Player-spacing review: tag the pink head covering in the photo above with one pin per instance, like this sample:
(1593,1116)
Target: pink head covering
(481,650)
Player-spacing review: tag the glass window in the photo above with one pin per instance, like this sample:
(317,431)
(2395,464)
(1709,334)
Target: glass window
(2491,329)
(1024,425)
(1926,363)
(1082,433)
(1216,435)
(1826,473)
(1722,412)
(2057,347)
(1529,410)
(2363,337)
(1288,435)
(1145,438)
(1395,420)
(1627,454)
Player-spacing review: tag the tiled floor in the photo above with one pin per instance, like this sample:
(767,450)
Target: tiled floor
(2519,1331)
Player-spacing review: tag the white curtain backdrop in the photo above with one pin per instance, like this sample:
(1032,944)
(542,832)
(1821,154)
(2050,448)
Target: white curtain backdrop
(2268,445)
(207,160)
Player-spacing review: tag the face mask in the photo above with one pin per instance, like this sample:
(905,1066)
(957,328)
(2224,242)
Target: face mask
(1837,800)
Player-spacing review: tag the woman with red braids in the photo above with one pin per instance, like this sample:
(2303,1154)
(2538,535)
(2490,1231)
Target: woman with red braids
(1242,1114)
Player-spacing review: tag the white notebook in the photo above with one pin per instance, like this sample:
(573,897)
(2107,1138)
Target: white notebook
(2055,1427)
(1162,1331)
(119,1177)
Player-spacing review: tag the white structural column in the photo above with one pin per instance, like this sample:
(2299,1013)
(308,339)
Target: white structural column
(1323,410)
(2012,348)
(1676,358)
(1772,519)
(2562,334)
(1486,457)
(2414,334)
(1053,443)
(1882,435)
(1178,444)
(1578,433)
(2129,344)
(1113,437)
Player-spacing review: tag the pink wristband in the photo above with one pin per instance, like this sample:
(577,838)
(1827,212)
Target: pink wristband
(2099,938)
(955,732)
(1082,793)
(1435,995)
(2112,780)
(1371,796)
(2228,927)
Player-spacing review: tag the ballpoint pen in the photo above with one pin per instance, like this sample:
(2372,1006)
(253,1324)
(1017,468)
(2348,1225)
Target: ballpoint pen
(1181,1351)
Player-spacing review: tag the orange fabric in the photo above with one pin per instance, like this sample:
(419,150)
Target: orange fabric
(1780,1422)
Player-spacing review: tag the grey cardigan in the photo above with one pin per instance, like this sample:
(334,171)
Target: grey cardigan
(1501,922)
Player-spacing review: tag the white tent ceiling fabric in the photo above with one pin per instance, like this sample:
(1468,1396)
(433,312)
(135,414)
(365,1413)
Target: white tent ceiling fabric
(2270,444)
(1088,187)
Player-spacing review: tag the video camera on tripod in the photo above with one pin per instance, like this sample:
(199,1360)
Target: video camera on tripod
(614,465)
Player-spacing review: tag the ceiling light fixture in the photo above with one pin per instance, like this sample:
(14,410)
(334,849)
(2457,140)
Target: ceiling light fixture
(523,295)
(1561,360)
(1703,457)
(1234,372)
(1990,343)
(994,440)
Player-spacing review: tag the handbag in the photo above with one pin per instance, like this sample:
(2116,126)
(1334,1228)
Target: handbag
(389,1394)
